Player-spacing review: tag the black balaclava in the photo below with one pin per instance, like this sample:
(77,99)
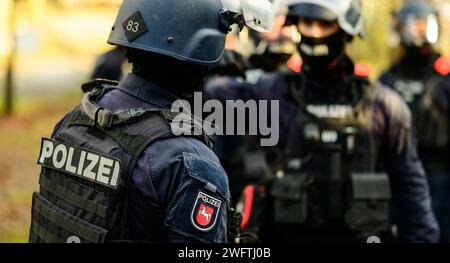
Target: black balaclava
(321,55)
(179,77)
(274,57)
(269,61)
(417,60)
(327,68)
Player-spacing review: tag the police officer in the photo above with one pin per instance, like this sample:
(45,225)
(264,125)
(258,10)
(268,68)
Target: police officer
(331,187)
(113,169)
(227,81)
(418,76)
(273,51)
(239,78)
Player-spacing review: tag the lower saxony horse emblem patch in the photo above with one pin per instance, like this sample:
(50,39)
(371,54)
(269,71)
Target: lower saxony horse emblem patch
(205,211)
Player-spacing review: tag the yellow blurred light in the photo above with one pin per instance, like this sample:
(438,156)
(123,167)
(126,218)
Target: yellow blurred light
(4,37)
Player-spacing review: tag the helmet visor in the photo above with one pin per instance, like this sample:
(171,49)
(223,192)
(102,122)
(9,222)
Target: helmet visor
(417,31)
(309,10)
(259,15)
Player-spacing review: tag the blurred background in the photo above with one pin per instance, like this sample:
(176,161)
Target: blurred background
(48,48)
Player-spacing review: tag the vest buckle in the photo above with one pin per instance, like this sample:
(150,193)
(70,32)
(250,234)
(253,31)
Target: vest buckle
(104,118)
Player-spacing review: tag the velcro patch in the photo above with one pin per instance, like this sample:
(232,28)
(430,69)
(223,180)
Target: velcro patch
(295,63)
(442,65)
(79,162)
(362,70)
(205,212)
(134,26)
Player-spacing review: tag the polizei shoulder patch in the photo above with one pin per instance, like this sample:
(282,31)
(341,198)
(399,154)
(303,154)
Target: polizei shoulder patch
(205,211)
(79,162)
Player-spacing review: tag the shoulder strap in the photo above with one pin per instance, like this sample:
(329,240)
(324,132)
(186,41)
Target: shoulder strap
(133,139)
(119,124)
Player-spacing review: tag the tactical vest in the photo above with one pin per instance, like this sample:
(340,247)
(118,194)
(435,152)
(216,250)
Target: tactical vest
(426,99)
(430,120)
(330,176)
(87,167)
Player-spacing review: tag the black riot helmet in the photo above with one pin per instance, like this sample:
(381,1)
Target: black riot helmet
(185,30)
(192,31)
(417,23)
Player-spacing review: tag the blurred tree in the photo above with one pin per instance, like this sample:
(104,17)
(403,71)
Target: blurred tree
(10,60)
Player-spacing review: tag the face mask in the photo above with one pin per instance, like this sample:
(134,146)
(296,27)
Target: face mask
(417,54)
(319,54)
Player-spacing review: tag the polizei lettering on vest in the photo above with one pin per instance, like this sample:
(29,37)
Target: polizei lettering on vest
(80,162)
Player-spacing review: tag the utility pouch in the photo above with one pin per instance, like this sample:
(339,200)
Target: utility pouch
(290,199)
(369,208)
(53,225)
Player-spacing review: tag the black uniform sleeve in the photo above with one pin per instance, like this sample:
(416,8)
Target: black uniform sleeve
(193,190)
(410,191)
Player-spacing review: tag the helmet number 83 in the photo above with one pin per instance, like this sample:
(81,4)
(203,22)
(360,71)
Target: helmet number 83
(133,26)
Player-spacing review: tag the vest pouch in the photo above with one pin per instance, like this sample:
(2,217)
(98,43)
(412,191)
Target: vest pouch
(369,207)
(51,224)
(290,199)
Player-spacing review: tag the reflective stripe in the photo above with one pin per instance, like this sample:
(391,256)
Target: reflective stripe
(249,194)
(72,198)
(67,221)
